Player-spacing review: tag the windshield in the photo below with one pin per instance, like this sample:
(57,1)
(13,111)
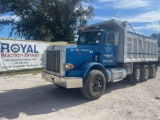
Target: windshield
(89,38)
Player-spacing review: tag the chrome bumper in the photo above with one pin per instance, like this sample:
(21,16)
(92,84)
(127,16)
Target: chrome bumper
(67,82)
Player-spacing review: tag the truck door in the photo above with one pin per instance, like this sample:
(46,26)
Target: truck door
(109,49)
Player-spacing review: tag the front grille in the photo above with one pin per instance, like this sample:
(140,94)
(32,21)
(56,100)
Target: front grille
(53,61)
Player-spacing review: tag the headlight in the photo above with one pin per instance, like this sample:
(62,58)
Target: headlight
(68,66)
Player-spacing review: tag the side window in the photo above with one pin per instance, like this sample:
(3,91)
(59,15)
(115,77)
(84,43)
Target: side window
(109,38)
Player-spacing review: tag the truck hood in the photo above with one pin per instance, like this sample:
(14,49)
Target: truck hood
(81,54)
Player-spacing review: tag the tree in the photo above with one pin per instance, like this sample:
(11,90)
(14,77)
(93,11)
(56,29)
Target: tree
(49,20)
(156,35)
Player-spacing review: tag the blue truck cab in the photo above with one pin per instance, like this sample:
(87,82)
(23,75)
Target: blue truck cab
(93,47)
(99,57)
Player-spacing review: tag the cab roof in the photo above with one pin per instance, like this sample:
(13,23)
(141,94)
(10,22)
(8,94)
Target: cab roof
(106,24)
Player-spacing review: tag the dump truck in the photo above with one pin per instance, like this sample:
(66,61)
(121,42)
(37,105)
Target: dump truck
(105,52)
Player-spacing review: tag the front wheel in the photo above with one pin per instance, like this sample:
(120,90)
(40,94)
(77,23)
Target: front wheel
(94,85)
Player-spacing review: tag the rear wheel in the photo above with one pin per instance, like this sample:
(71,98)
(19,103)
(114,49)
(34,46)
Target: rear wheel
(145,73)
(94,85)
(136,76)
(152,71)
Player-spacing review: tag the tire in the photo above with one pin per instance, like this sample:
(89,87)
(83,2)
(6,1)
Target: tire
(136,76)
(94,85)
(152,71)
(145,72)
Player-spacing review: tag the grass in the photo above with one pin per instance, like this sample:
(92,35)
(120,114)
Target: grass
(19,72)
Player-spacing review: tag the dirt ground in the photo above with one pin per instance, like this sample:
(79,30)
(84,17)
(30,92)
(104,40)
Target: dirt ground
(28,97)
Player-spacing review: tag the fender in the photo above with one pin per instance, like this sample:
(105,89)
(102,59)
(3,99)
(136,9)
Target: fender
(94,65)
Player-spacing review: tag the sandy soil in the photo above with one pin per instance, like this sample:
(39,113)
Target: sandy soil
(28,97)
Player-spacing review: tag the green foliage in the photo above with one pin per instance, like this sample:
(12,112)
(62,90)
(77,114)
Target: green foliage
(156,35)
(49,20)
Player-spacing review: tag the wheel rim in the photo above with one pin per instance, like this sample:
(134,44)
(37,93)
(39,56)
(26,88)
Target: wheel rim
(146,73)
(138,73)
(97,84)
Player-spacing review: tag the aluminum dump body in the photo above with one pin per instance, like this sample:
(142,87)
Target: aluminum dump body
(140,48)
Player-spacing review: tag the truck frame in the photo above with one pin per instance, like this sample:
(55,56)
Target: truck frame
(105,52)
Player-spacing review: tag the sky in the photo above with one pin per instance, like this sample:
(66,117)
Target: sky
(143,15)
